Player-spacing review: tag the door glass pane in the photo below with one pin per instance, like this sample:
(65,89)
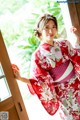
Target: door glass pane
(4,89)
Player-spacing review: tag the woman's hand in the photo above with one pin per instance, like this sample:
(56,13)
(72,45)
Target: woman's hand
(76,31)
(16,71)
(17,75)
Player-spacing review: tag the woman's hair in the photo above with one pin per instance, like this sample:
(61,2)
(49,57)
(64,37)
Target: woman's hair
(42,22)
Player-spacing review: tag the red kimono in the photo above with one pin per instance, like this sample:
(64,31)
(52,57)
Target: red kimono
(55,73)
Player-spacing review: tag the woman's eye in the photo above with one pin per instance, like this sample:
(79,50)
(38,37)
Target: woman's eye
(47,28)
(54,26)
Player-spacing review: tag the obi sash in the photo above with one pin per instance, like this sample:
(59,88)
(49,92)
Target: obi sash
(63,73)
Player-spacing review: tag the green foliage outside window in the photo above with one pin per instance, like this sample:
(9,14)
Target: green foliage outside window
(17,21)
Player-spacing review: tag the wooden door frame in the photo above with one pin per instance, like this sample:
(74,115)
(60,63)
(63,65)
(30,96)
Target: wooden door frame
(74,14)
(16,95)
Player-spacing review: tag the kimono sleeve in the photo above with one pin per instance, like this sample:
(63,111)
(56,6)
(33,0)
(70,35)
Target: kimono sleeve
(43,86)
(72,53)
(77,66)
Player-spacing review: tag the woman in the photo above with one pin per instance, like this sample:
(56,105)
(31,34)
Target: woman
(55,70)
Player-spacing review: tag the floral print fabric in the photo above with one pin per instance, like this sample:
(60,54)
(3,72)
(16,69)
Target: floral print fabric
(52,93)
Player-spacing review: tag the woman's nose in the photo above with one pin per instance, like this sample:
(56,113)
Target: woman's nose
(50,30)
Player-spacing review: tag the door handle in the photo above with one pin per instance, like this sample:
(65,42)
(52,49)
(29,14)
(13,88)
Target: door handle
(20,107)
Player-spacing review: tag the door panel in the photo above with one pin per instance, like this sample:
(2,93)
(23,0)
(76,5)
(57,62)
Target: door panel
(9,106)
(16,101)
(73,10)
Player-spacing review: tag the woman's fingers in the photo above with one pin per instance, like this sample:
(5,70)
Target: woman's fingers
(15,67)
(15,71)
(73,29)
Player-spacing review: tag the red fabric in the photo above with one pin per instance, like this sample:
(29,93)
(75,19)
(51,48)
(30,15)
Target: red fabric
(49,92)
(31,89)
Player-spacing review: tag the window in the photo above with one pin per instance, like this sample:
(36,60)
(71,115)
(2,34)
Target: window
(4,89)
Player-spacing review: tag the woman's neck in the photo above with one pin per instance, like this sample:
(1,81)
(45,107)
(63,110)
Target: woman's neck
(48,42)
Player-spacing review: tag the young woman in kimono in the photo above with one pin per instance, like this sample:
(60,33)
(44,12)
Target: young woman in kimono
(55,70)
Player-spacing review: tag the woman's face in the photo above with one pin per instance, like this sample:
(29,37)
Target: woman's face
(49,31)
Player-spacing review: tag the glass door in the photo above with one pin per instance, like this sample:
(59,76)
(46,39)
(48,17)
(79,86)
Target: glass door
(4,88)
(11,102)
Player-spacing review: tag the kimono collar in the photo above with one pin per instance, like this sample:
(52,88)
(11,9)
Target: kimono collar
(47,46)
